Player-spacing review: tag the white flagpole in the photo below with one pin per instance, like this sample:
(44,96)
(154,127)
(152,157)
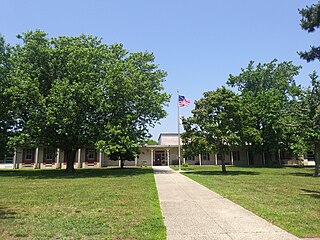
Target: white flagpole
(179,157)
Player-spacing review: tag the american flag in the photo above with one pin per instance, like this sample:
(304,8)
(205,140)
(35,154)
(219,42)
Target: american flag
(182,101)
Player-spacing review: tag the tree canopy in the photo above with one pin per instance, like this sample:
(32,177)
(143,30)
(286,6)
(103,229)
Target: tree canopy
(310,22)
(310,118)
(5,83)
(268,93)
(214,125)
(70,92)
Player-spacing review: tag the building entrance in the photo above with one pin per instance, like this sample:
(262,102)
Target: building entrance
(160,158)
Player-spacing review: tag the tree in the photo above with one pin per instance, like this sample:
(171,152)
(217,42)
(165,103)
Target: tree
(309,22)
(151,142)
(267,93)
(310,121)
(5,110)
(214,125)
(134,88)
(76,91)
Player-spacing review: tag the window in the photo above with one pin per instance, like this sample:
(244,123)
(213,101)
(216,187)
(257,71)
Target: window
(205,157)
(310,156)
(6,159)
(28,155)
(91,155)
(236,155)
(48,156)
(190,158)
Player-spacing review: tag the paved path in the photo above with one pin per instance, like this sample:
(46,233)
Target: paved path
(192,211)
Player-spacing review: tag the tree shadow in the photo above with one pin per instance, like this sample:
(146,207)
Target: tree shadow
(219,173)
(6,213)
(79,173)
(311,193)
(302,174)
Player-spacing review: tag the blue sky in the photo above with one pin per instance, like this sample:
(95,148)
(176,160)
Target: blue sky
(199,43)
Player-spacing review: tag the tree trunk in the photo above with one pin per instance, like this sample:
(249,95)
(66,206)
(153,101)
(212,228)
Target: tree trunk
(223,163)
(317,159)
(121,163)
(70,155)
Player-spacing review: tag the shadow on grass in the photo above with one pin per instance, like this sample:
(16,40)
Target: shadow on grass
(311,193)
(6,213)
(302,174)
(229,173)
(79,173)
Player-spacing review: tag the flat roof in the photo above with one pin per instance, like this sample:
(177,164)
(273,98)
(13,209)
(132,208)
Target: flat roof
(167,134)
(159,146)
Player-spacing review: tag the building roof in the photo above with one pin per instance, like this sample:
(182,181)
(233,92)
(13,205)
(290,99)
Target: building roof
(167,134)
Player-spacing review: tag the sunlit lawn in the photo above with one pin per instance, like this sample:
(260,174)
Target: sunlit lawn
(92,204)
(288,197)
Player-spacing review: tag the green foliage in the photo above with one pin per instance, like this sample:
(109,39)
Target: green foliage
(185,165)
(214,125)
(151,142)
(269,100)
(5,83)
(309,22)
(310,120)
(69,92)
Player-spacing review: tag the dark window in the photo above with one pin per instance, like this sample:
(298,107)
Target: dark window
(190,158)
(236,155)
(48,155)
(205,157)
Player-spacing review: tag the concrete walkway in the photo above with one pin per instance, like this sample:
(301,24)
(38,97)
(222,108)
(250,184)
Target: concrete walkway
(192,211)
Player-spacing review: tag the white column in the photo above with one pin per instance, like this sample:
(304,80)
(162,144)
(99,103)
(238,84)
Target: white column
(200,160)
(184,159)
(168,157)
(79,158)
(215,159)
(136,161)
(58,164)
(151,157)
(15,159)
(231,157)
(100,159)
(37,164)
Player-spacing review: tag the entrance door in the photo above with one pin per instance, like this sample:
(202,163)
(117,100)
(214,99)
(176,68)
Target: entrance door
(159,158)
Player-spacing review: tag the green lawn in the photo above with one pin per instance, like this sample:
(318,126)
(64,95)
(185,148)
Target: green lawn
(288,197)
(91,204)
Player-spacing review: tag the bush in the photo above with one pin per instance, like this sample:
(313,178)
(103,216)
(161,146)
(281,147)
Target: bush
(185,165)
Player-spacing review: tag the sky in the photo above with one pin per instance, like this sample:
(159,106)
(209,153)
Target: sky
(198,43)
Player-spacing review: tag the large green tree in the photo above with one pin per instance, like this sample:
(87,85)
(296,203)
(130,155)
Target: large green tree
(310,120)
(5,83)
(268,93)
(309,22)
(76,91)
(214,124)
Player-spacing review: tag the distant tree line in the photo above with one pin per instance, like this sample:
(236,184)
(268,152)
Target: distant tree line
(69,92)
(268,113)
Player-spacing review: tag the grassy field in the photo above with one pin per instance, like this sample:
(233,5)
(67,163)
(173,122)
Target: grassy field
(91,204)
(288,197)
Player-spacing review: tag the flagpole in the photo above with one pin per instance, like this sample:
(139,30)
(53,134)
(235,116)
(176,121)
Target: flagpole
(179,157)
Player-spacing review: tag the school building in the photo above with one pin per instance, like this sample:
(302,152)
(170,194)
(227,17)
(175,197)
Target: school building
(165,153)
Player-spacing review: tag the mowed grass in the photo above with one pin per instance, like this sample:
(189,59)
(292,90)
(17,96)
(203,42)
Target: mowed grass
(90,204)
(288,197)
